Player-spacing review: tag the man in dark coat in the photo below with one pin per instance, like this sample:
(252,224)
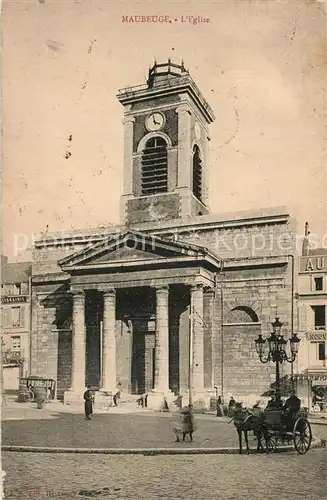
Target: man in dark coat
(292,403)
(88,403)
(291,407)
(219,407)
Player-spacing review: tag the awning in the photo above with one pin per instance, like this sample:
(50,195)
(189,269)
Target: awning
(315,376)
(320,383)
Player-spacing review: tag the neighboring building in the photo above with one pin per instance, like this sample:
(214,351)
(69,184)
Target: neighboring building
(312,306)
(4,260)
(15,322)
(112,306)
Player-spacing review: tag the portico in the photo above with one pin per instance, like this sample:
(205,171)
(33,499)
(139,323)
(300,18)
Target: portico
(130,315)
(111,305)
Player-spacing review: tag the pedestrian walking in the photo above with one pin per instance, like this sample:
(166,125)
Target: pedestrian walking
(231,406)
(48,394)
(31,393)
(184,424)
(220,407)
(88,403)
(117,395)
(140,401)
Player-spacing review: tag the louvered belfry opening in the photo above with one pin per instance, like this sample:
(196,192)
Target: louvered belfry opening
(154,167)
(197,173)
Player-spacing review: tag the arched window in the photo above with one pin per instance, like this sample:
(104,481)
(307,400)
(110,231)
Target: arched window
(242,314)
(197,173)
(154,167)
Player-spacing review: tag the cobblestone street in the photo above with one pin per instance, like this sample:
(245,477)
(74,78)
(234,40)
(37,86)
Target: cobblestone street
(113,431)
(197,477)
(25,426)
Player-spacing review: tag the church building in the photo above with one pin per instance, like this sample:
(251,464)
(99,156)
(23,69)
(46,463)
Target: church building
(173,296)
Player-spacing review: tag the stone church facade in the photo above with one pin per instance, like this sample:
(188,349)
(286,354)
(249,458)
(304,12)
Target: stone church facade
(172,295)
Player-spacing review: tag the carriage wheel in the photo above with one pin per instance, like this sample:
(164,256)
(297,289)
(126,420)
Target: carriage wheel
(302,435)
(271,443)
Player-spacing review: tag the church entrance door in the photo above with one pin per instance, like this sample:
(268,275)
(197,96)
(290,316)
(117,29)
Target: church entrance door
(142,362)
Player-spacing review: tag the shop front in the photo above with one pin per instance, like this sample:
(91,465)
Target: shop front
(311,388)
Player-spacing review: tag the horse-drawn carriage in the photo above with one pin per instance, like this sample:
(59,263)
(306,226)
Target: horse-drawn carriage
(275,425)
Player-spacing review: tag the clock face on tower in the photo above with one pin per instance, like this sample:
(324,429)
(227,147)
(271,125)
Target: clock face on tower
(155,121)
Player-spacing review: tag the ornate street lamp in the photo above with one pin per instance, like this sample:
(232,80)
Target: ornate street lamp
(276,351)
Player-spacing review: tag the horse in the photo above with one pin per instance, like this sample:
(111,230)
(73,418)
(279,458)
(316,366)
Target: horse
(245,421)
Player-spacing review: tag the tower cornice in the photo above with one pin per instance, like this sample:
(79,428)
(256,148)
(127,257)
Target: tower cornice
(177,85)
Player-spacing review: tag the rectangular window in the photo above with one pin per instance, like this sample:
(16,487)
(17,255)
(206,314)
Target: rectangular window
(22,317)
(317,353)
(6,317)
(320,317)
(15,316)
(319,284)
(15,343)
(321,351)
(17,289)
(24,288)
(8,289)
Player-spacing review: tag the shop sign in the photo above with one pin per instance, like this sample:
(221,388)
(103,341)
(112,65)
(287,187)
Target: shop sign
(313,264)
(40,382)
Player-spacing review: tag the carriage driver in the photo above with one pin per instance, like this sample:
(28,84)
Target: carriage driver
(291,407)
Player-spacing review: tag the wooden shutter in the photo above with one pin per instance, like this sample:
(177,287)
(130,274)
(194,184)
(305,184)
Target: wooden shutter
(22,317)
(15,316)
(6,317)
(303,318)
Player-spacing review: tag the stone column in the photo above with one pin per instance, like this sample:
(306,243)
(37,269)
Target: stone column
(78,344)
(198,333)
(209,313)
(109,382)
(128,155)
(161,376)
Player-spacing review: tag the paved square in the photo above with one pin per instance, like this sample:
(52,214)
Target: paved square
(197,477)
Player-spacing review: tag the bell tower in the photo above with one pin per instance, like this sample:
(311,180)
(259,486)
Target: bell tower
(165,146)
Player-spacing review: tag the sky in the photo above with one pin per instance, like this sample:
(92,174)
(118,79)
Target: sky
(260,64)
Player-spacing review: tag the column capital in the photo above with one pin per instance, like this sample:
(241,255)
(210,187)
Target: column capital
(78,294)
(109,292)
(183,108)
(196,287)
(162,288)
(208,290)
(128,119)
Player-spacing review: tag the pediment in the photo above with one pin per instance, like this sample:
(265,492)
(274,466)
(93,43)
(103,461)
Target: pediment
(129,247)
(123,254)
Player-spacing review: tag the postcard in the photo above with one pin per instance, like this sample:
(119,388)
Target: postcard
(164,249)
